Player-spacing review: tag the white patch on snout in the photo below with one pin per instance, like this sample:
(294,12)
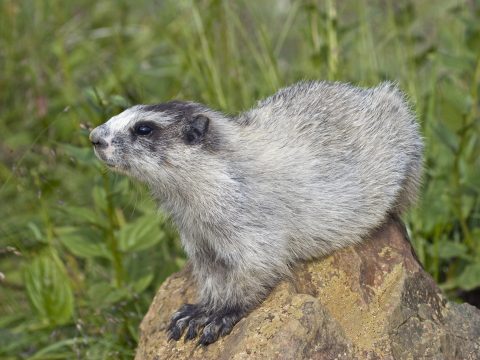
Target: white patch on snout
(118,124)
(122,121)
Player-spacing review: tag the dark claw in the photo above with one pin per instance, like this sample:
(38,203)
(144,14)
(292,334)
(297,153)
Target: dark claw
(191,332)
(181,319)
(211,332)
(194,317)
(195,325)
(174,333)
(176,328)
(185,310)
(219,325)
(206,340)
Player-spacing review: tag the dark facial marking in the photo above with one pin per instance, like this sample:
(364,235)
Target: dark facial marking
(140,130)
(173,107)
(190,123)
(143,129)
(119,140)
(179,110)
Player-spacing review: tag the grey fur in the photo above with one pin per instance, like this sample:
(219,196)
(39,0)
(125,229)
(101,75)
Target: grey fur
(311,169)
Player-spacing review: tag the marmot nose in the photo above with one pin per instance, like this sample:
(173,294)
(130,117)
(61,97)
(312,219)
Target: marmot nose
(97,140)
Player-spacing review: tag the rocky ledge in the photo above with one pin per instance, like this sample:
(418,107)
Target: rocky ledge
(369,301)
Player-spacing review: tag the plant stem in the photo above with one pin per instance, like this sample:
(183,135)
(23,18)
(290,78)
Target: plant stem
(111,238)
(332,40)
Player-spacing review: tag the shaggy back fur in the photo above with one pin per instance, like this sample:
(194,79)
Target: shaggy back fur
(311,169)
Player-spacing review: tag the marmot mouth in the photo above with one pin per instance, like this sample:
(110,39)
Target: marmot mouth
(117,167)
(105,161)
(112,165)
(101,156)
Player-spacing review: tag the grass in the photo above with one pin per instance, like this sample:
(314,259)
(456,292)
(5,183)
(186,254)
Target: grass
(82,250)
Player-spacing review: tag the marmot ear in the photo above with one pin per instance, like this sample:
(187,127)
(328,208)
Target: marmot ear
(196,129)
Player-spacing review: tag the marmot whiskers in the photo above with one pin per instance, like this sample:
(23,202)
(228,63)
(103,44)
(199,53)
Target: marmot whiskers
(311,169)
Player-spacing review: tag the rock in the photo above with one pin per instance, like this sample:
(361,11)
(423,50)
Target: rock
(369,301)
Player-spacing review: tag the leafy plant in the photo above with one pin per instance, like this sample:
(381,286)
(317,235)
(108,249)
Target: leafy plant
(82,250)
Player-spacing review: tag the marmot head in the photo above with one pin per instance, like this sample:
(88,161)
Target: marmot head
(152,142)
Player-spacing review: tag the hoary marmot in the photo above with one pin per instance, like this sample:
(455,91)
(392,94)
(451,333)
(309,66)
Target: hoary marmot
(311,169)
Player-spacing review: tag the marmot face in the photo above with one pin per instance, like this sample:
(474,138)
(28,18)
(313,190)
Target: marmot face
(144,140)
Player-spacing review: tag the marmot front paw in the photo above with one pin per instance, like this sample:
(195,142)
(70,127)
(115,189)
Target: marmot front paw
(194,318)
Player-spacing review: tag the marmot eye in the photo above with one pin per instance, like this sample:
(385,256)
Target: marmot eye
(143,130)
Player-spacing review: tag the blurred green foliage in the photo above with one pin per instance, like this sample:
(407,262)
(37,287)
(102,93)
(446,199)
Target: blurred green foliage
(82,250)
